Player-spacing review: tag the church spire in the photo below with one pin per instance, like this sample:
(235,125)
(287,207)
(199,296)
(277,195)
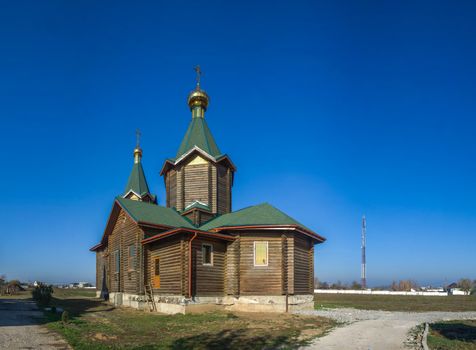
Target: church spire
(137,150)
(198,134)
(137,187)
(198,98)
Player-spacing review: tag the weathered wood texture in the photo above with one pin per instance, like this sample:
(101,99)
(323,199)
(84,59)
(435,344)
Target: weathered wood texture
(208,279)
(124,234)
(289,288)
(303,265)
(100,268)
(290,264)
(232,266)
(171,188)
(206,181)
(223,190)
(261,280)
(196,184)
(171,254)
(198,217)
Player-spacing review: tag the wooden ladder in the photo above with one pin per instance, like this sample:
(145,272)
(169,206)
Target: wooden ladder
(149,293)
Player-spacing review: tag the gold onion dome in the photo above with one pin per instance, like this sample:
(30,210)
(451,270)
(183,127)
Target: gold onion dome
(198,98)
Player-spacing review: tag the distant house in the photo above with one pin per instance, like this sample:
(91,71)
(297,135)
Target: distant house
(84,285)
(195,253)
(454,290)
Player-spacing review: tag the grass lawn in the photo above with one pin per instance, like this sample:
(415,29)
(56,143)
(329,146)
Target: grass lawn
(97,325)
(26,294)
(58,292)
(396,302)
(452,335)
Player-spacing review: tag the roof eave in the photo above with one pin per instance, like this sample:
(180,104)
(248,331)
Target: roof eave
(96,247)
(172,232)
(298,228)
(202,152)
(164,167)
(226,157)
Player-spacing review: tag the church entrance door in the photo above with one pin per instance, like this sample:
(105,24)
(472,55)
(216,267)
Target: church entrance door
(156,278)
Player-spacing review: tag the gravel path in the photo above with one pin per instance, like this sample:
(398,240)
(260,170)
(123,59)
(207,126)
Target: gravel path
(375,330)
(20,327)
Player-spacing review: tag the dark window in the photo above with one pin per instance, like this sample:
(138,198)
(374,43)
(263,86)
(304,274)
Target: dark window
(132,257)
(117,261)
(157,267)
(207,254)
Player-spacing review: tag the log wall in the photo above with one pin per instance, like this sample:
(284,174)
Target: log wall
(303,265)
(261,280)
(208,280)
(204,181)
(100,266)
(125,233)
(171,252)
(196,186)
(232,272)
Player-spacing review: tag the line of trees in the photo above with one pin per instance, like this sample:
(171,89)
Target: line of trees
(465,284)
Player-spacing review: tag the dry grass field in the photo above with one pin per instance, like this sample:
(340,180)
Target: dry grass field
(97,325)
(396,302)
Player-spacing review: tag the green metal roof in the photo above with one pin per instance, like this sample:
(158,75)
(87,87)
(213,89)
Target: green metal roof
(198,134)
(261,214)
(137,181)
(153,213)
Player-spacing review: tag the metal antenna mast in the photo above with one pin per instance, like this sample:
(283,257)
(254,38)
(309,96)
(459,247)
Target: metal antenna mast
(363,273)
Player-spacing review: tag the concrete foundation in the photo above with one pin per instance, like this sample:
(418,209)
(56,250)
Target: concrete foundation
(177,304)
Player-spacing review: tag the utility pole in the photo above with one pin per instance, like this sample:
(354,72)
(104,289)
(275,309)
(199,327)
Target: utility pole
(363,273)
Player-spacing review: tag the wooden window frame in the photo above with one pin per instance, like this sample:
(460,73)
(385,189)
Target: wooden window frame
(117,262)
(254,254)
(129,268)
(203,254)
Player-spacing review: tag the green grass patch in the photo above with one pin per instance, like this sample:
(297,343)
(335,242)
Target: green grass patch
(96,325)
(452,335)
(396,302)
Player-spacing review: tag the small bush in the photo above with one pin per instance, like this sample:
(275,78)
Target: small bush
(42,294)
(65,317)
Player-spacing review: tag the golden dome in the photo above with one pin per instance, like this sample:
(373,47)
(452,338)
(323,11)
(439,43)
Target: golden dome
(137,154)
(198,98)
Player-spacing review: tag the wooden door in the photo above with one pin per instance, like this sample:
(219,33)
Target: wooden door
(156,277)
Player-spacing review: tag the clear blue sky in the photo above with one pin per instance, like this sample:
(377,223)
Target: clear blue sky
(329,110)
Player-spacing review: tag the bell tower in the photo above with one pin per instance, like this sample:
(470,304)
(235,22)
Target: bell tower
(199,179)
(137,187)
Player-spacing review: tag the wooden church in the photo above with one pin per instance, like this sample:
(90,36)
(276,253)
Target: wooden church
(195,253)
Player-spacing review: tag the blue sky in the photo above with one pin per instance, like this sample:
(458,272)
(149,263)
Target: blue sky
(329,110)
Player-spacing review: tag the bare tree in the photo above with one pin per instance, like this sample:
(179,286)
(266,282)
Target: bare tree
(394,286)
(465,285)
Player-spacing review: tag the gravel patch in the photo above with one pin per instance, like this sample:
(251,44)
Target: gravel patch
(21,328)
(373,330)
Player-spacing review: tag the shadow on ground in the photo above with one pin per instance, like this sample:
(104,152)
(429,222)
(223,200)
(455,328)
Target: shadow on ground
(233,339)
(19,312)
(80,306)
(456,331)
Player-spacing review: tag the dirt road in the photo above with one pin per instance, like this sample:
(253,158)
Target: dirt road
(376,330)
(21,327)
